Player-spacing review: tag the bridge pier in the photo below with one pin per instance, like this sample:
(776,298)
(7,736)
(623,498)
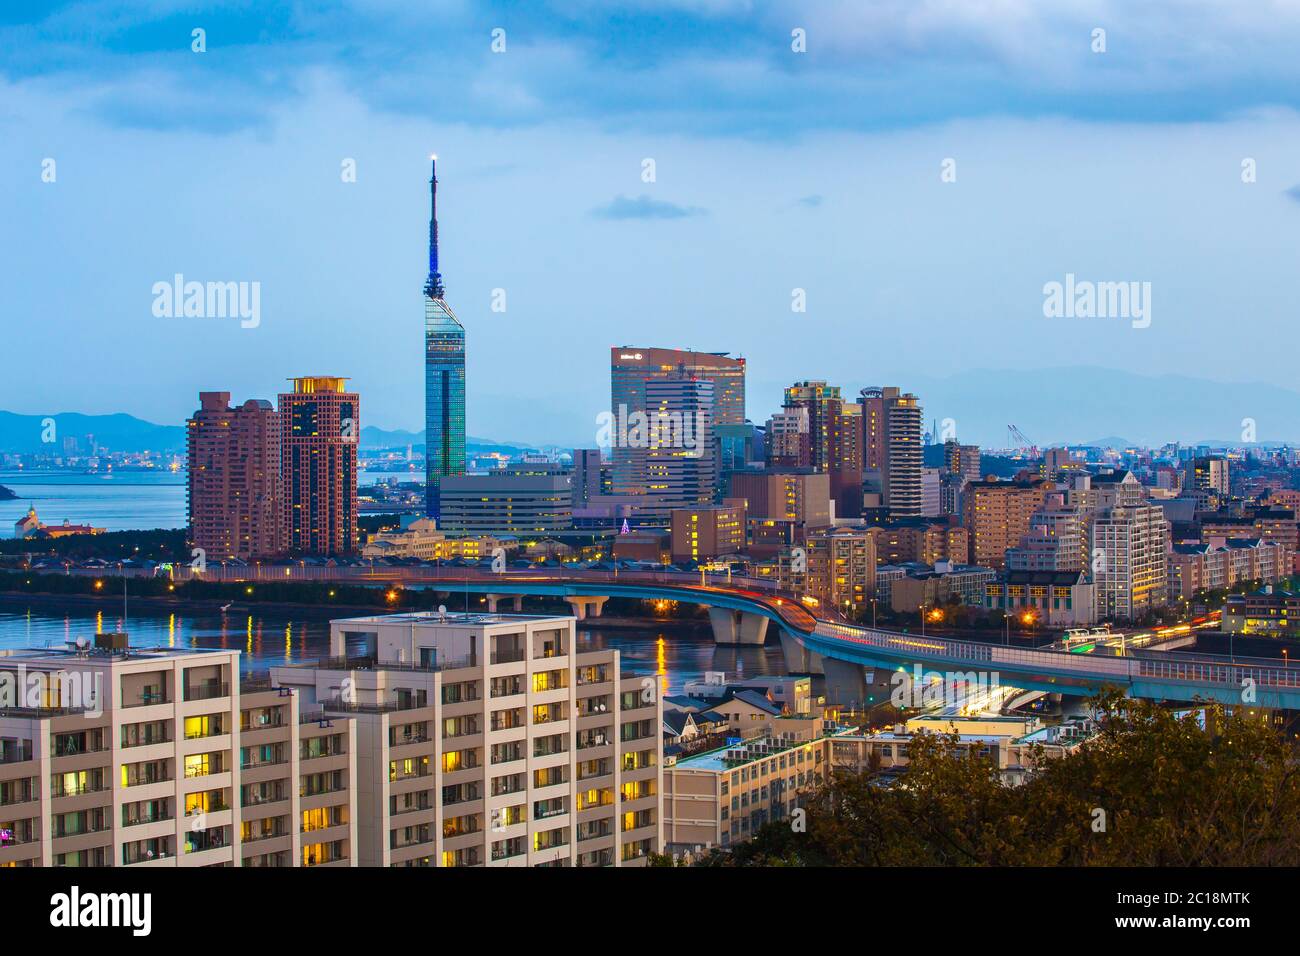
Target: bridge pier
(584,605)
(494,599)
(846,684)
(798,659)
(737,627)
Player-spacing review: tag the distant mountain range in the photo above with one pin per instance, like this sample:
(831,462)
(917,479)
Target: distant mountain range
(1067,406)
(1052,406)
(34,434)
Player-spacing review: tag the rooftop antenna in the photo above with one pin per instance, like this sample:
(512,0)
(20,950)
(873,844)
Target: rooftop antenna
(433,287)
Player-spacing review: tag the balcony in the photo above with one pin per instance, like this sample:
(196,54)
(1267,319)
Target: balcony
(15,752)
(147,700)
(207,691)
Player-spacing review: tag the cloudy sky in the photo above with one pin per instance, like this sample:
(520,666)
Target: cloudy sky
(921,172)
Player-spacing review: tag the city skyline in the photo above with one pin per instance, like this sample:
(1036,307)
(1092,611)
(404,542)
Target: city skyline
(552,194)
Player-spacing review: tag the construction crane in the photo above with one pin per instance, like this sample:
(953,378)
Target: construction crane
(1019,440)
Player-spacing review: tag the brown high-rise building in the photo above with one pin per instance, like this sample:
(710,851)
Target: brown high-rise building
(835,440)
(320,426)
(233,483)
(998,514)
(891,444)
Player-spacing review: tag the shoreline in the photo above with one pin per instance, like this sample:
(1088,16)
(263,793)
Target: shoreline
(314,611)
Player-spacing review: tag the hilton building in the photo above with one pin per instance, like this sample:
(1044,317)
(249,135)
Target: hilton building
(632,368)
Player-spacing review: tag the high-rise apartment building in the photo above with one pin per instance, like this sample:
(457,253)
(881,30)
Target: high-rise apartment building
(162,757)
(1057,539)
(964,460)
(1207,473)
(835,440)
(491,740)
(319,428)
(631,368)
(789,441)
(997,514)
(842,568)
(891,443)
(233,478)
(444,373)
(1129,545)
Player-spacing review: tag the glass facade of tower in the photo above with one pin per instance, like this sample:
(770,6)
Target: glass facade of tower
(444,398)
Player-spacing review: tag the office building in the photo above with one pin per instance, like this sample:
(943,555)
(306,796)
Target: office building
(319,428)
(587,476)
(491,740)
(444,373)
(800,497)
(678,462)
(522,500)
(701,534)
(232,488)
(632,368)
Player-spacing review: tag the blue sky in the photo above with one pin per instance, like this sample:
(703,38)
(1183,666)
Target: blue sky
(775,170)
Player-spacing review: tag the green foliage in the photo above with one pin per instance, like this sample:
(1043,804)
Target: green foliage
(160,544)
(1172,793)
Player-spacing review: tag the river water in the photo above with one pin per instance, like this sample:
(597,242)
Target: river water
(277,637)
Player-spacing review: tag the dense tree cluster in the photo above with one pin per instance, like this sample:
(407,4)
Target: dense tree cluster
(1153,788)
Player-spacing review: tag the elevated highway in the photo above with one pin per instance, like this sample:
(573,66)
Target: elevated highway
(851,657)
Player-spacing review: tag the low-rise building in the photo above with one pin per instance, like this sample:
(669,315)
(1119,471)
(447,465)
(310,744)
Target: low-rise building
(1053,598)
(1206,567)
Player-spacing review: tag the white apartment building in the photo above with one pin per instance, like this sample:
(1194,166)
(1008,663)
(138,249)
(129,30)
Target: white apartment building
(119,756)
(1129,545)
(491,739)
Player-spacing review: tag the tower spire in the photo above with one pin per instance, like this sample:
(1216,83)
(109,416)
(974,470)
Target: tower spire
(433,287)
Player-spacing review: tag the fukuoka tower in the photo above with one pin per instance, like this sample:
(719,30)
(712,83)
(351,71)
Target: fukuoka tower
(444,373)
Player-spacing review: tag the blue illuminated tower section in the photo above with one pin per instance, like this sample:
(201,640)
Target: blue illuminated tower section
(444,374)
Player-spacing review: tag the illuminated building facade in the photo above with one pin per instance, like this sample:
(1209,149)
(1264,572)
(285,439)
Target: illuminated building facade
(491,740)
(233,478)
(319,425)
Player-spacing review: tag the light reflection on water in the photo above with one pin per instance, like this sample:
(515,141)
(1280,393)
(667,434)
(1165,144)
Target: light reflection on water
(270,637)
